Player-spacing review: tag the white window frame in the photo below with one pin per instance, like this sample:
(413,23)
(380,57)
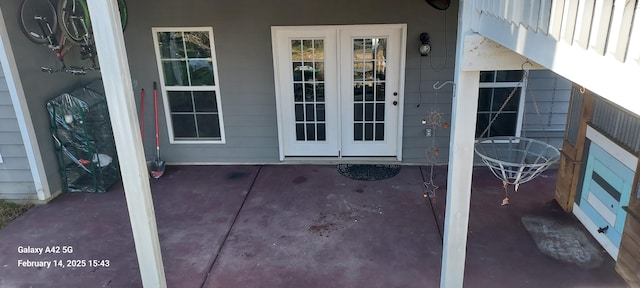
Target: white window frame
(164,89)
(521,105)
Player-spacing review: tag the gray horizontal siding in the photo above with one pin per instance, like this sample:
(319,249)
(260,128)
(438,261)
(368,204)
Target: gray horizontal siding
(551,94)
(16,180)
(246,79)
(540,86)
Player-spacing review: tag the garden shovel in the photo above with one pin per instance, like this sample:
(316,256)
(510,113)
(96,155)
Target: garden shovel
(157,166)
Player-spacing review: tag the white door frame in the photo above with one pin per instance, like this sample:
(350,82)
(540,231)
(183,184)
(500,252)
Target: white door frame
(280,32)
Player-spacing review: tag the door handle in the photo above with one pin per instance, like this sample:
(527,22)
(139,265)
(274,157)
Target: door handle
(603,229)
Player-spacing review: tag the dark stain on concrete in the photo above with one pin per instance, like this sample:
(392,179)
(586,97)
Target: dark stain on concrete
(236,175)
(299,180)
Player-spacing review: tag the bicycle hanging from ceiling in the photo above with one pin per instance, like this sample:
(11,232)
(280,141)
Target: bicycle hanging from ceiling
(515,160)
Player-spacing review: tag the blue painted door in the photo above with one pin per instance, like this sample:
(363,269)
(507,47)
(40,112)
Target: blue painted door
(606,188)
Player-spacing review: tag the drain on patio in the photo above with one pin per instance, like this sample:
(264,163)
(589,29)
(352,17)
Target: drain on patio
(368,172)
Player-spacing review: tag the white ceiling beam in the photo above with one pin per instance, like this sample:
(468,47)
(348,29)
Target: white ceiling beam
(482,54)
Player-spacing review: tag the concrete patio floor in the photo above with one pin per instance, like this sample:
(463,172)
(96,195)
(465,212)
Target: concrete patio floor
(295,226)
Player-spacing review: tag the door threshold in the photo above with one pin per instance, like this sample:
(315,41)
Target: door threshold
(341,160)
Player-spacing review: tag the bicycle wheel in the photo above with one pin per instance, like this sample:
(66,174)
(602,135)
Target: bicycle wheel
(74,20)
(30,12)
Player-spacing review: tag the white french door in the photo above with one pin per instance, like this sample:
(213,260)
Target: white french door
(338,89)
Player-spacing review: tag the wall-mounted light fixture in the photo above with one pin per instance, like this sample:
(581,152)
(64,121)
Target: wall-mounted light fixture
(425,46)
(439,4)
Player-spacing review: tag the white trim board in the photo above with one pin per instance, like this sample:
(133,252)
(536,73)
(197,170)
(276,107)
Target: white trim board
(23,116)
(593,228)
(626,158)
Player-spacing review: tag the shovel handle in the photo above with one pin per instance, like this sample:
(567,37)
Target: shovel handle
(155,105)
(142,112)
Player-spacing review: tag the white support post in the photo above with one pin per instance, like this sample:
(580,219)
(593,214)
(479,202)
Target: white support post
(463,125)
(118,88)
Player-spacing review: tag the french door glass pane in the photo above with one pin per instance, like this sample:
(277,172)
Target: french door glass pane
(369,76)
(307,56)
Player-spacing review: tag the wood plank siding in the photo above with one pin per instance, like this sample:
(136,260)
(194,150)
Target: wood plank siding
(16,180)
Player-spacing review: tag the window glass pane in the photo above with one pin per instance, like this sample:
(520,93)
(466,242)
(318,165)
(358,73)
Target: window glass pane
(300,132)
(308,92)
(484,99)
(180,101)
(320,112)
(201,72)
(184,125)
(318,48)
(297,71)
(481,124)
(307,71)
(297,92)
(171,45)
(381,73)
(368,92)
(299,112)
(358,91)
(357,131)
(379,111)
(358,70)
(310,115)
(208,125)
(320,92)
(307,49)
(500,95)
(368,131)
(509,75)
(380,92)
(197,44)
(205,101)
(487,76)
(311,131)
(296,50)
(322,132)
(319,70)
(357,112)
(379,131)
(505,125)
(175,73)
(368,112)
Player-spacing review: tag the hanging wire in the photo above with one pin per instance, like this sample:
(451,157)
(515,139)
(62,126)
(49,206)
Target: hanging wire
(446,49)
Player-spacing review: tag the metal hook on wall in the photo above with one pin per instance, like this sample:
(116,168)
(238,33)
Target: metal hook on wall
(439,86)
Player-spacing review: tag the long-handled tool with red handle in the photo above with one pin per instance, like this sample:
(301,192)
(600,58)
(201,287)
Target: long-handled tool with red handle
(157,166)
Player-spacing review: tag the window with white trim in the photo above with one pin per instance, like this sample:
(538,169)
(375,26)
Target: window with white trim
(495,88)
(189,84)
